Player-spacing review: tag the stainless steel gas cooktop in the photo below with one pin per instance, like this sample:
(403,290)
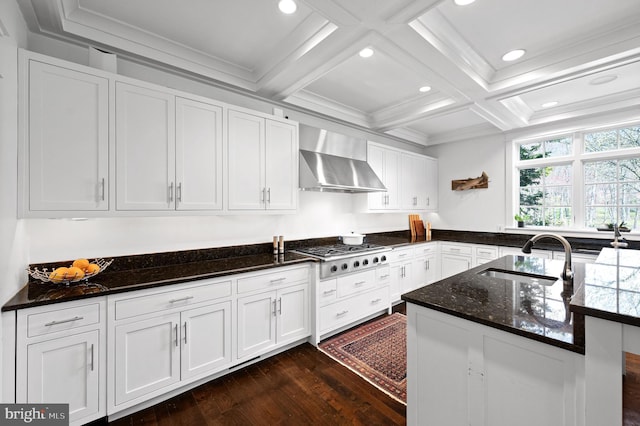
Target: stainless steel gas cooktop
(339,259)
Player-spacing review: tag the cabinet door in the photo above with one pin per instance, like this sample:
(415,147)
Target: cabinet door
(68,139)
(198,155)
(410,171)
(256,323)
(431,185)
(400,279)
(65,370)
(375,158)
(145,149)
(424,270)
(452,264)
(147,356)
(246,161)
(392,178)
(281,165)
(206,339)
(293,313)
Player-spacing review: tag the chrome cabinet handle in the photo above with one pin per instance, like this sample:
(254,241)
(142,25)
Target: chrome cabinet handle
(359,283)
(274,308)
(102,189)
(402,254)
(175,329)
(428,201)
(339,314)
(92,364)
(179,192)
(171,192)
(185,332)
(63,321)
(427,265)
(269,195)
(415,201)
(374,301)
(280,306)
(327,292)
(277,280)
(182,299)
(383,277)
(263,195)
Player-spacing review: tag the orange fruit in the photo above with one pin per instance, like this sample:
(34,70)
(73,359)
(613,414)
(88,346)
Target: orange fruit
(58,274)
(92,268)
(81,263)
(74,273)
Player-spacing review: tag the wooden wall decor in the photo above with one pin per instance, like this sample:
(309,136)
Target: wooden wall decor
(471,183)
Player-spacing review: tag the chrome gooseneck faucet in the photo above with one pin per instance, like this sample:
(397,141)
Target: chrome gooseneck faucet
(618,239)
(567,273)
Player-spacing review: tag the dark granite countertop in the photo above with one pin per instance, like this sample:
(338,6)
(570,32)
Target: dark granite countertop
(130,273)
(611,287)
(533,310)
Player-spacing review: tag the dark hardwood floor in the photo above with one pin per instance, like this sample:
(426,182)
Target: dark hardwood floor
(304,386)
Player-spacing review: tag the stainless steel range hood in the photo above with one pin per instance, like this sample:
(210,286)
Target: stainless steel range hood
(334,162)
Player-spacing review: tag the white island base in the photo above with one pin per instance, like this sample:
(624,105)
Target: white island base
(464,373)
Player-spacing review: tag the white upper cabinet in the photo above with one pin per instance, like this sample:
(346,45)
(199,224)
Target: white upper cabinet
(198,155)
(145,148)
(386,164)
(262,163)
(67,138)
(168,151)
(411,179)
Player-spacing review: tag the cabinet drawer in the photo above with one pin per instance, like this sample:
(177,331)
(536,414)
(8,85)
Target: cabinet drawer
(327,291)
(272,279)
(456,249)
(423,249)
(158,302)
(400,254)
(352,309)
(488,252)
(39,323)
(383,274)
(355,283)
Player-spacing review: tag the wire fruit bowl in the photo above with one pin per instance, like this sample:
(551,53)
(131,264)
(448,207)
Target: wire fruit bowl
(44,274)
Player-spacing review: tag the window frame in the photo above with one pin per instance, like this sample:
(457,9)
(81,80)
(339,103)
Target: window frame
(577,159)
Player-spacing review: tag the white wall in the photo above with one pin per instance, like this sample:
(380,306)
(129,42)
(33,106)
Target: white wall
(13,253)
(319,215)
(473,209)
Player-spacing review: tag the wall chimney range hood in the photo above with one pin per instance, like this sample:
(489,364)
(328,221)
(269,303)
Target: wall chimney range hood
(334,162)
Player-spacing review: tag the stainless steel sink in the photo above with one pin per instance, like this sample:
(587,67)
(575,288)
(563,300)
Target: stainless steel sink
(521,277)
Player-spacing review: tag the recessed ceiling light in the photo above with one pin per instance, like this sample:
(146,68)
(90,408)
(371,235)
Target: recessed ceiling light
(424,89)
(604,79)
(549,104)
(463,2)
(366,52)
(287,6)
(513,55)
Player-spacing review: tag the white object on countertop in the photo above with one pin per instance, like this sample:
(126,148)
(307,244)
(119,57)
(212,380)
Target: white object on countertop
(353,239)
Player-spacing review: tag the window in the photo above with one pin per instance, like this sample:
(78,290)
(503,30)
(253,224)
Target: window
(585,180)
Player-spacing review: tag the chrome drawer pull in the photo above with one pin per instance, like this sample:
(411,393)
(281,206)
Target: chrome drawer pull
(402,254)
(182,299)
(175,329)
(359,283)
(185,332)
(339,314)
(278,280)
(373,302)
(63,321)
(92,357)
(383,277)
(327,292)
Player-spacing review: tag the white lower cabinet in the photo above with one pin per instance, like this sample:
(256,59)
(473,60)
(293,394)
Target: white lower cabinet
(460,372)
(60,357)
(347,300)
(455,258)
(425,265)
(161,339)
(268,319)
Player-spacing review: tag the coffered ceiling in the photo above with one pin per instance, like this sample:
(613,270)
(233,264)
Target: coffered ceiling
(582,54)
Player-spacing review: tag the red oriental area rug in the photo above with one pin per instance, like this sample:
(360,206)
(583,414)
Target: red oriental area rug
(376,351)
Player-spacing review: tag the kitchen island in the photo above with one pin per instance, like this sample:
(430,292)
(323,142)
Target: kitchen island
(491,348)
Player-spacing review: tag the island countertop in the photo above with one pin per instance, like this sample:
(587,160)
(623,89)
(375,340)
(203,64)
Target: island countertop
(533,310)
